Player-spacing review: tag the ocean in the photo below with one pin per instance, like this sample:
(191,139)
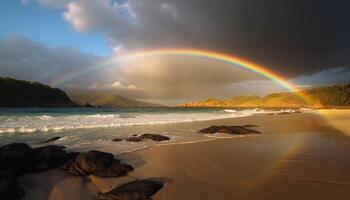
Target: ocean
(89,128)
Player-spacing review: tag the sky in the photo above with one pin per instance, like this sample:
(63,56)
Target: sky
(72,44)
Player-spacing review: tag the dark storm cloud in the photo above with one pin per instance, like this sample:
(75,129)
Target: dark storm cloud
(291,37)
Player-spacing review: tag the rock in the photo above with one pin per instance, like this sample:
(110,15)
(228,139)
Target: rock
(52,139)
(133,139)
(154,137)
(147,136)
(228,129)
(284,113)
(23,159)
(16,156)
(48,157)
(117,140)
(136,190)
(115,170)
(9,188)
(250,126)
(96,163)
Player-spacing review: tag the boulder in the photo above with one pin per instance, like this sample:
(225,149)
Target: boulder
(133,139)
(136,190)
(22,158)
(115,170)
(237,130)
(154,137)
(147,136)
(48,157)
(9,188)
(16,156)
(96,163)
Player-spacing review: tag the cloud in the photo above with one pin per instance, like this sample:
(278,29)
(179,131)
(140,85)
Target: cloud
(282,36)
(25,59)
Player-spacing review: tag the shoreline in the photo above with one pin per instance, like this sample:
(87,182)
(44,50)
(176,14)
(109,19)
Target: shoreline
(309,157)
(303,152)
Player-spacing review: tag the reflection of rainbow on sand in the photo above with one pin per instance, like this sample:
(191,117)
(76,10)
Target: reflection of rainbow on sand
(274,166)
(232,60)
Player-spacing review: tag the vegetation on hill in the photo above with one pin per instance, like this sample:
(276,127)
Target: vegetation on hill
(18,93)
(321,97)
(109,100)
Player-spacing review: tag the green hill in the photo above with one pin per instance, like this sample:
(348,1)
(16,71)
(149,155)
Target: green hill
(336,96)
(18,93)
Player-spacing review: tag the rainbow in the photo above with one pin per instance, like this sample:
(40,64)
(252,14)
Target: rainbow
(226,58)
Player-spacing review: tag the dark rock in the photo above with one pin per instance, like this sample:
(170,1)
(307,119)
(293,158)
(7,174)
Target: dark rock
(250,126)
(48,157)
(134,135)
(154,137)
(9,188)
(16,156)
(136,190)
(115,170)
(117,140)
(97,163)
(284,113)
(228,129)
(133,139)
(52,139)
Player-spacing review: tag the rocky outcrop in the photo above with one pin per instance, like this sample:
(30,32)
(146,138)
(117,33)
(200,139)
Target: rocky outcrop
(146,136)
(236,130)
(9,188)
(20,158)
(96,163)
(17,93)
(154,137)
(137,190)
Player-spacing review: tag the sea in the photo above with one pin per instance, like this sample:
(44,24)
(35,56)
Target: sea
(82,129)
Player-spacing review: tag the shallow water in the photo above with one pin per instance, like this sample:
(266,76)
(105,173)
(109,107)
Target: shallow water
(94,128)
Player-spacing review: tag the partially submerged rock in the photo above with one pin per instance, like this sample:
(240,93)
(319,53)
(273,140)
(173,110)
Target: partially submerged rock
(96,163)
(154,137)
(237,130)
(133,139)
(136,190)
(52,139)
(146,136)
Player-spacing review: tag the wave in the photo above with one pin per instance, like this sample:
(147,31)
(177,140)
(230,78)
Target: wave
(46,123)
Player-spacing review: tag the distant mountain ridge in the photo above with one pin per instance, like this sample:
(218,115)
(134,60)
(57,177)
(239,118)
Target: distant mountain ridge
(109,100)
(19,93)
(336,96)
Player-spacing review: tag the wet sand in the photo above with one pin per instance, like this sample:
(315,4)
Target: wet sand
(297,156)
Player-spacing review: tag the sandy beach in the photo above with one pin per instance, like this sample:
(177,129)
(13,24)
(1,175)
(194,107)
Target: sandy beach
(297,156)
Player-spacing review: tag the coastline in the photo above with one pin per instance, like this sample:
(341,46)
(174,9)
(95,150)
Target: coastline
(296,152)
